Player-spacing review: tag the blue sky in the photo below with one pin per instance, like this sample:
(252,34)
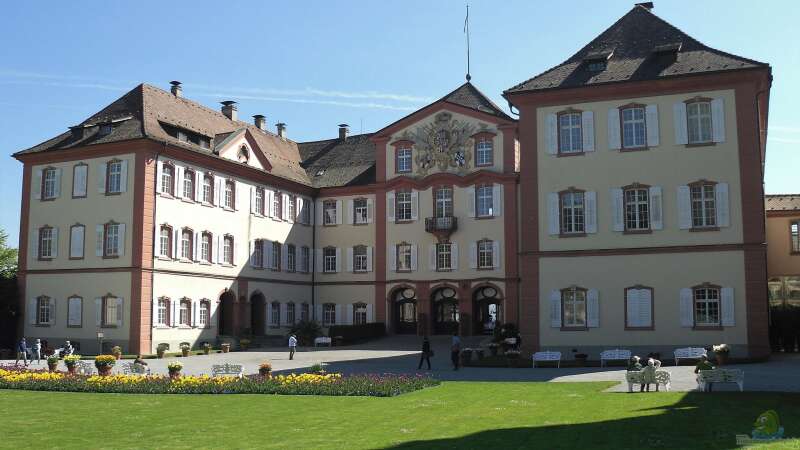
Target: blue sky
(315,64)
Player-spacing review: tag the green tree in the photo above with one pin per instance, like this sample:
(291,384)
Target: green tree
(8,258)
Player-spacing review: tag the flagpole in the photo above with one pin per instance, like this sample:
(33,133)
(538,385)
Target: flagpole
(466,30)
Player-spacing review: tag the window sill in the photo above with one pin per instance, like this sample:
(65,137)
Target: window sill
(162,327)
(42,325)
(360,224)
(700,144)
(400,222)
(226,208)
(184,327)
(484,217)
(205,263)
(48,199)
(650,328)
(43,259)
(328,272)
(108,326)
(185,261)
(164,258)
(637,232)
(572,235)
(444,270)
(74,326)
(563,328)
(166,195)
(329,224)
(568,154)
(227,265)
(708,328)
(485,268)
(188,200)
(261,216)
(208,205)
(111,194)
(485,165)
(75,258)
(110,256)
(633,149)
(75,197)
(702,229)
(361,271)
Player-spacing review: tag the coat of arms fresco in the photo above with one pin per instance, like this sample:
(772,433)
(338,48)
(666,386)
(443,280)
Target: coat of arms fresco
(445,144)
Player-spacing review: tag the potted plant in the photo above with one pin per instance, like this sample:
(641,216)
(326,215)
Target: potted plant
(493,346)
(161,349)
(117,352)
(580,358)
(226,347)
(206,348)
(52,362)
(174,369)
(265,369)
(722,351)
(466,356)
(71,361)
(244,344)
(185,347)
(104,363)
(512,356)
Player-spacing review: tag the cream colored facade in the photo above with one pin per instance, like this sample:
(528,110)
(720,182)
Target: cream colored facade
(782,260)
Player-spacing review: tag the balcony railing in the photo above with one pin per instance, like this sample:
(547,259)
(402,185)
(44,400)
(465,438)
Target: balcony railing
(441,224)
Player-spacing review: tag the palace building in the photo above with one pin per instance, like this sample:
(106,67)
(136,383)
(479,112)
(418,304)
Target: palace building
(623,208)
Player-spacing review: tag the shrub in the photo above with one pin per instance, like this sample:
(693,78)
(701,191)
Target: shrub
(316,368)
(102,361)
(71,360)
(175,366)
(353,333)
(306,331)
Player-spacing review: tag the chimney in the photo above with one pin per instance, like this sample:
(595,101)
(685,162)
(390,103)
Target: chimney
(229,109)
(281,129)
(176,89)
(343,130)
(260,122)
(646,5)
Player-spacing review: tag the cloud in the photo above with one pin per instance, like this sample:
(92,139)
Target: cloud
(311,92)
(369,105)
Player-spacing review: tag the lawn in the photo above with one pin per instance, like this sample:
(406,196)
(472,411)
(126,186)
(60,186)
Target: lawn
(452,415)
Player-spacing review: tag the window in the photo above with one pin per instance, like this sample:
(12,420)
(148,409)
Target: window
(77,239)
(208,189)
(484,201)
(205,247)
(244,154)
(404,160)
(110,311)
(329,259)
(570,134)
(49,183)
(443,256)
(257,258)
(444,202)
(597,65)
(305,259)
(290,207)
(304,312)
(573,304)
(275,314)
(403,206)
(230,194)
(639,308)
(485,254)
(360,211)
(187,244)
(114,180)
(706,306)
(276,256)
(188,184)
(204,314)
(404,257)
(634,129)
(698,117)
(165,241)
(227,250)
(167,177)
(794,232)
(329,212)
(572,213)
(359,313)
(47,242)
(43,310)
(185,313)
(290,313)
(484,152)
(112,242)
(359,258)
(637,209)
(328,314)
(162,312)
(79,180)
(291,258)
(75,311)
(277,210)
(704,209)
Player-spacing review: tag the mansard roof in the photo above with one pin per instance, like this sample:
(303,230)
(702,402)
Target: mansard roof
(340,162)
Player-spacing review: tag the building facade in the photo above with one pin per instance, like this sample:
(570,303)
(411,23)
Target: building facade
(624,208)
(783,262)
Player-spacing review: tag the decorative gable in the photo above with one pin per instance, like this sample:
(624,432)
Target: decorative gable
(240,146)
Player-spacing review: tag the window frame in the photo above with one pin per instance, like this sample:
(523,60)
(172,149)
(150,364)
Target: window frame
(167,170)
(190,177)
(636,187)
(210,200)
(104,305)
(229,203)
(485,253)
(189,256)
(228,242)
(41,301)
(109,175)
(357,256)
(277,206)
(106,229)
(305,259)
(203,236)
(83,249)
(167,312)
(276,256)
(399,255)
(41,240)
(360,219)
(326,259)
(622,109)
(187,302)
(484,143)
(291,313)
(258,253)
(43,196)
(305,312)
(443,206)
(404,150)
(707,287)
(794,237)
(328,314)
(442,249)
(569,113)
(358,312)
(693,102)
(575,290)
(170,237)
(74,297)
(702,184)
(489,213)
(291,258)
(561,217)
(86,180)
(204,304)
(327,221)
(398,203)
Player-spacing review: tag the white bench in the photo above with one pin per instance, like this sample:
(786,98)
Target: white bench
(135,369)
(689,353)
(635,377)
(226,369)
(705,378)
(616,354)
(547,356)
(322,341)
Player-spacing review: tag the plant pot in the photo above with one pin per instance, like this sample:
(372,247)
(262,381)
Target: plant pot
(160,354)
(104,371)
(174,374)
(206,351)
(185,351)
(265,373)
(722,359)
(226,348)
(580,362)
(71,369)
(52,366)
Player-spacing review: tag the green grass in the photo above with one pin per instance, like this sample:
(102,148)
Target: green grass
(453,415)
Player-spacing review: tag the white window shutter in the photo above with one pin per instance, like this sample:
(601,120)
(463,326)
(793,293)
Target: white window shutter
(553,220)
(196,246)
(175,305)
(57,187)
(176,238)
(617,210)
(79,183)
(587,130)
(159,174)
(338,212)
(298,209)
(473,255)
(338,259)
(218,183)
(370,210)
(687,308)
(593,308)
(684,208)
(217,251)
(34,242)
(497,200)
(252,199)
(413,256)
(471,201)
(251,251)
(55,242)
(123,176)
(348,318)
(178,181)
(496,249)
(722,204)
(390,206)
(319,212)
(99,231)
(632,307)
(555,309)
(728,312)
(269,202)
(198,186)
(614,139)
(370,313)
(369,259)
(101,177)
(319,260)
(37,185)
(318,313)
(237,194)
(266,254)
(656,210)
(645,307)
(432,257)
(454,256)
(195,313)
(121,228)
(651,123)
(680,123)
(349,213)
(76,242)
(98,311)
(414,205)
(31,312)
(392,257)
(120,310)
(551,134)
(52,318)
(591,211)
(284,256)
(717,120)
(349,259)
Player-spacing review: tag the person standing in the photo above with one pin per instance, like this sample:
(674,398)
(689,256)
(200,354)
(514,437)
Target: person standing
(292,346)
(22,352)
(455,349)
(37,352)
(426,353)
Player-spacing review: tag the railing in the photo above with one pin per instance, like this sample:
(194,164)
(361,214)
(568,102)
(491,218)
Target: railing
(440,224)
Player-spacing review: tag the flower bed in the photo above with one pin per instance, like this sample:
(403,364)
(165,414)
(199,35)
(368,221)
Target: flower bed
(333,384)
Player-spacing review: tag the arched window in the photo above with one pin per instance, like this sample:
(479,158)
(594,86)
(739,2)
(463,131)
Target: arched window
(187,244)
(185,312)
(244,154)
(227,250)
(204,314)
(328,314)
(188,184)
(165,241)
(162,312)
(290,313)
(168,179)
(229,200)
(359,313)
(206,248)
(208,189)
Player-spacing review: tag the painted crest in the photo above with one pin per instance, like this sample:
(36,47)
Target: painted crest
(444,144)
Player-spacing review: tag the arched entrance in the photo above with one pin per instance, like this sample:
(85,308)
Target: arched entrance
(488,307)
(404,306)
(445,311)
(258,314)
(225,313)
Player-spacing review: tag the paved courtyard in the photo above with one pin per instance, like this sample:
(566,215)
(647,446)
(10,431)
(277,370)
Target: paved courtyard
(401,355)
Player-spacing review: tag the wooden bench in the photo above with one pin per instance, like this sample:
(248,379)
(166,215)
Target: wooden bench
(129,368)
(706,378)
(547,357)
(236,370)
(322,340)
(616,354)
(688,353)
(635,377)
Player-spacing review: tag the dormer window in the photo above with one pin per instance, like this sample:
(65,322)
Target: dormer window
(105,129)
(597,66)
(244,154)
(596,61)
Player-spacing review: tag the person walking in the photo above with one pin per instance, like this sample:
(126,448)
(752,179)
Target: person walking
(22,352)
(292,346)
(455,349)
(426,353)
(37,352)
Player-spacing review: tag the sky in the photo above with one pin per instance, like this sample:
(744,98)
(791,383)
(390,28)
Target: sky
(315,64)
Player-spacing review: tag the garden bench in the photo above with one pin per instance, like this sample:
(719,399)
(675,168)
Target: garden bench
(616,354)
(135,369)
(635,377)
(226,369)
(547,356)
(84,368)
(706,378)
(689,353)
(322,341)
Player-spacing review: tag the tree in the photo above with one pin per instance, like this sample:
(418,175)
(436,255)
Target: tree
(8,258)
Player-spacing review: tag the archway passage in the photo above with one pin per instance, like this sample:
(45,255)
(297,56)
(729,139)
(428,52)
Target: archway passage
(445,311)
(488,307)
(258,314)
(405,311)
(225,313)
